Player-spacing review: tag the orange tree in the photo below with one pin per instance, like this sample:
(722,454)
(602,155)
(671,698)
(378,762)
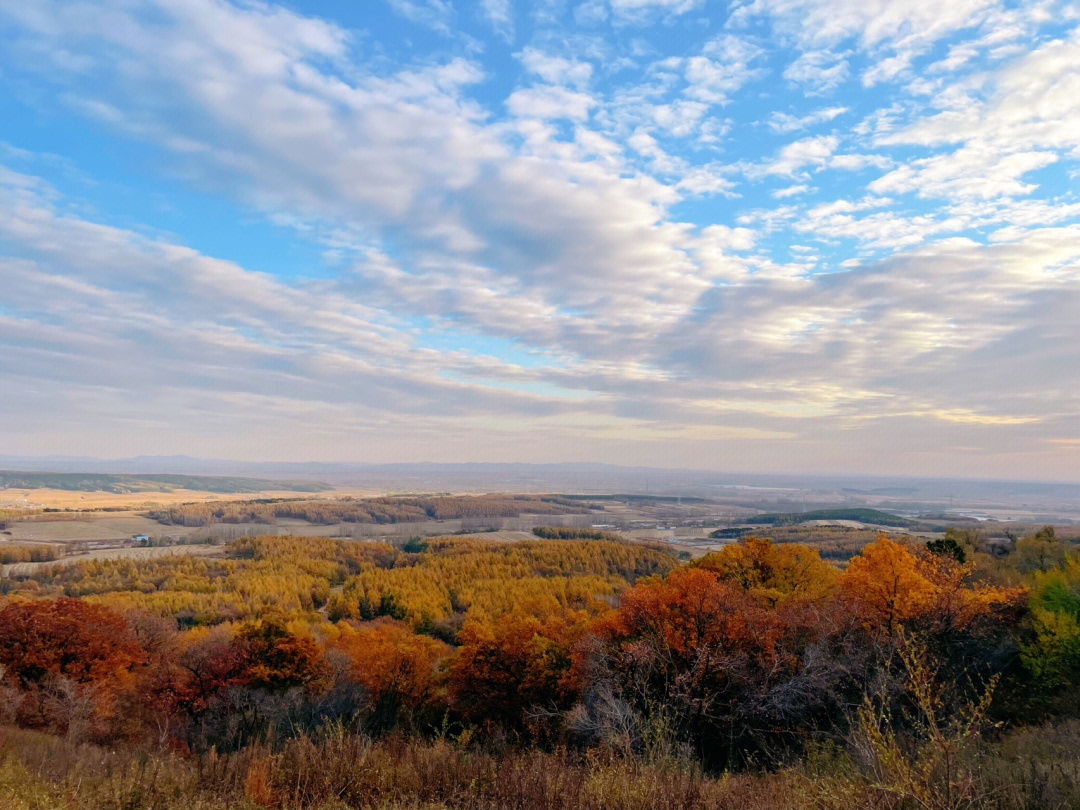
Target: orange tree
(888,585)
(968,627)
(515,671)
(400,670)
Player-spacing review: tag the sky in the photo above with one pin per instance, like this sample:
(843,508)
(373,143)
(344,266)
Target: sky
(833,236)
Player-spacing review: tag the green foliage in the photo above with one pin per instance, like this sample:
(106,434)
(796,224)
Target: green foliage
(1060,594)
(873,516)
(1051,648)
(1041,552)
(947,547)
(567,533)
(414,545)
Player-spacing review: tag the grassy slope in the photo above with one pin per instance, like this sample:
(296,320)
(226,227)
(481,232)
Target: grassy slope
(152,482)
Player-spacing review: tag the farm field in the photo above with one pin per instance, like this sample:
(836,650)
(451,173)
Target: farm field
(46,498)
(691,527)
(111,525)
(83,527)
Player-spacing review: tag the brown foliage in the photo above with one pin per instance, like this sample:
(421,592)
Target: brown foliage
(69,659)
(87,643)
(519,663)
(395,665)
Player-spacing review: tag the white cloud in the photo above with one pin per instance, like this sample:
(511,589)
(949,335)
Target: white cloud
(634,8)
(1031,103)
(723,68)
(791,191)
(498,13)
(214,349)
(555,69)
(899,23)
(800,154)
(556,232)
(722,236)
(906,28)
(699,180)
(931,330)
(549,102)
(972,171)
(679,118)
(920,338)
(1008,122)
(432,13)
(404,150)
(855,162)
(784,122)
(822,71)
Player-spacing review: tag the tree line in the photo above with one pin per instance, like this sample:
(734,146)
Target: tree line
(366,510)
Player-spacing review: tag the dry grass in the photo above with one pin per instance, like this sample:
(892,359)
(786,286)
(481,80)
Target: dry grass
(38,772)
(1028,769)
(1036,767)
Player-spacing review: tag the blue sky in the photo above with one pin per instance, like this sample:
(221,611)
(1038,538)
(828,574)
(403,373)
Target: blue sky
(774,235)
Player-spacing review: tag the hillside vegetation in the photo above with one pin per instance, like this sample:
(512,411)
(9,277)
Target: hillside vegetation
(308,672)
(400,509)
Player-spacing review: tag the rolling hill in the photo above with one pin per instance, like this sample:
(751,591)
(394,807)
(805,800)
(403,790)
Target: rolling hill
(150,482)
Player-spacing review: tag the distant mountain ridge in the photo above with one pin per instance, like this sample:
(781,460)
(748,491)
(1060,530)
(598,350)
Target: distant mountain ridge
(856,483)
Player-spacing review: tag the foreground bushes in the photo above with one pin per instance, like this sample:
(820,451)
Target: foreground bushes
(1031,769)
(348,771)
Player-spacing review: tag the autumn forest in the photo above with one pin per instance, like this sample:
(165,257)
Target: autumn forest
(464,672)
